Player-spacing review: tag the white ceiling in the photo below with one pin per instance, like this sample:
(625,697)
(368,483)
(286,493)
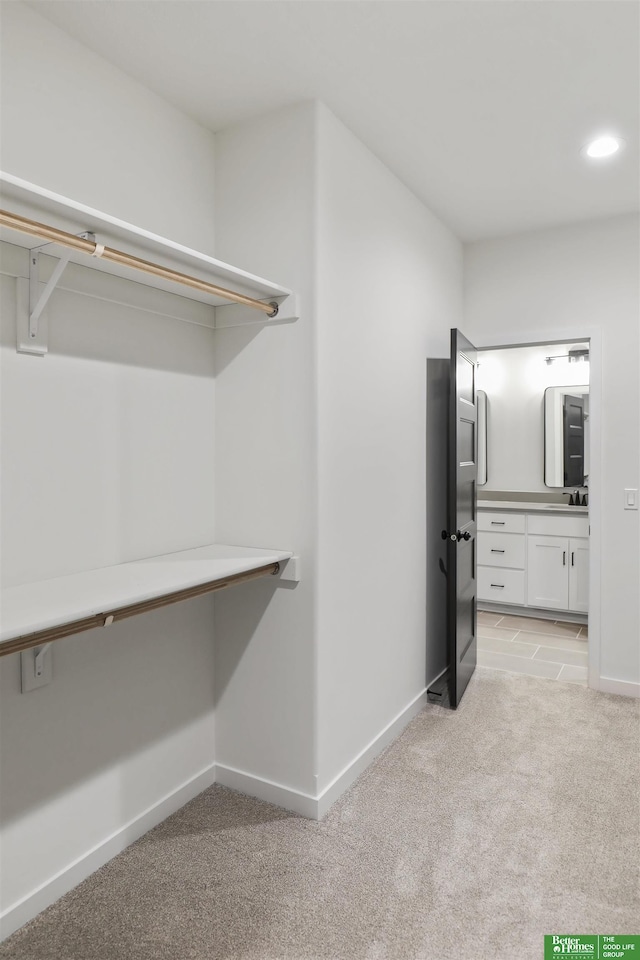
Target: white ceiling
(479,106)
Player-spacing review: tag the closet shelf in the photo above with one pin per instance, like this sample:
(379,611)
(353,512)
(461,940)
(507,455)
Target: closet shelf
(97,240)
(37,613)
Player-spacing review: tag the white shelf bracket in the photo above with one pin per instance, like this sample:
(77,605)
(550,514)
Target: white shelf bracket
(290,570)
(33,329)
(38,659)
(36,667)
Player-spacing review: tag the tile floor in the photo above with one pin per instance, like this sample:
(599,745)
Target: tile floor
(553,649)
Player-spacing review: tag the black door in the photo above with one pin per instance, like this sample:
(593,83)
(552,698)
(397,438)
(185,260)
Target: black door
(573,440)
(461,499)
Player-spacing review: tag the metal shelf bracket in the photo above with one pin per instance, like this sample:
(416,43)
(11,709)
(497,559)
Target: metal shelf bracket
(33,329)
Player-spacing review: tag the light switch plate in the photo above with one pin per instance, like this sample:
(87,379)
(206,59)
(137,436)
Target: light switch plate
(630,499)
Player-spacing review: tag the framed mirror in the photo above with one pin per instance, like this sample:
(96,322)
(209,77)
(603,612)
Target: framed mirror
(566,436)
(482,437)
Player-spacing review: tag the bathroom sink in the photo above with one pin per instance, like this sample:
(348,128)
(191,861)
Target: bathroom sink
(538,505)
(562,506)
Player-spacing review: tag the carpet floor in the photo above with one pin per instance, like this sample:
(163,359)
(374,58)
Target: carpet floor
(473,835)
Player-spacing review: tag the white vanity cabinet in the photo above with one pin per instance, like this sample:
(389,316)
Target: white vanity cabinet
(501,557)
(536,559)
(558,562)
(558,573)
(579,574)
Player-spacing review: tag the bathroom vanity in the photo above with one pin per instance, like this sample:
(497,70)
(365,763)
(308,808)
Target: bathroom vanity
(533,556)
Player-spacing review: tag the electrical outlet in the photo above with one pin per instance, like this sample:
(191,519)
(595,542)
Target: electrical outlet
(36,666)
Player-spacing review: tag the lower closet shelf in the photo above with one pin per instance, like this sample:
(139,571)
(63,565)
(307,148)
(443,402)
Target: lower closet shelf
(37,613)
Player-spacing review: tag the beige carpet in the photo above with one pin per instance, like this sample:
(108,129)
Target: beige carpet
(472,836)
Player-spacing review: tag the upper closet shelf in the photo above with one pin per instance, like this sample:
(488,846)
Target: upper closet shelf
(37,613)
(48,223)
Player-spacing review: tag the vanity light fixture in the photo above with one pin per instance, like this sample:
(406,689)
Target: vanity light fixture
(572,357)
(576,355)
(602,147)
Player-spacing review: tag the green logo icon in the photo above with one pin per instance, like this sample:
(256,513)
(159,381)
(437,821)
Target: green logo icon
(597,948)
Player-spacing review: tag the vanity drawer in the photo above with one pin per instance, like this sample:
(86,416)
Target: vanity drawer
(547,526)
(501,586)
(501,522)
(501,549)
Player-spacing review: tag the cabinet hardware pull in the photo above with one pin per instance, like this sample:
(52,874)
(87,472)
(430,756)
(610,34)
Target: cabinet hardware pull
(498,523)
(572,562)
(496,551)
(564,558)
(501,585)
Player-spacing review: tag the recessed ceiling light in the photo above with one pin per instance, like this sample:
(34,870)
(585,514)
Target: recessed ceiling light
(602,147)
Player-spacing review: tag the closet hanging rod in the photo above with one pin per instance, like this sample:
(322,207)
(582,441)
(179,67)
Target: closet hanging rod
(53,235)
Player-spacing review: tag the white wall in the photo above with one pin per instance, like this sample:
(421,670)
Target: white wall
(266,456)
(543,286)
(108,455)
(127,434)
(330,407)
(317,437)
(390,283)
(515,381)
(75,124)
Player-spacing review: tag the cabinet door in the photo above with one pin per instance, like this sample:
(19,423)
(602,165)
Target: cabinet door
(548,572)
(579,575)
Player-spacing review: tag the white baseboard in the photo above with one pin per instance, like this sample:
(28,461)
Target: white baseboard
(34,903)
(624,688)
(314,808)
(267,790)
(352,771)
(534,613)
(301,803)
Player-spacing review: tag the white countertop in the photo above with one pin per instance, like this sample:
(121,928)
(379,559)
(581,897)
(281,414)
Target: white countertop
(32,607)
(525,507)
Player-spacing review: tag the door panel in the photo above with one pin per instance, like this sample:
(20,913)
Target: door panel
(548,572)
(466,441)
(579,575)
(461,534)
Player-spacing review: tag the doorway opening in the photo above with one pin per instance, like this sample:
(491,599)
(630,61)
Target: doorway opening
(537,462)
